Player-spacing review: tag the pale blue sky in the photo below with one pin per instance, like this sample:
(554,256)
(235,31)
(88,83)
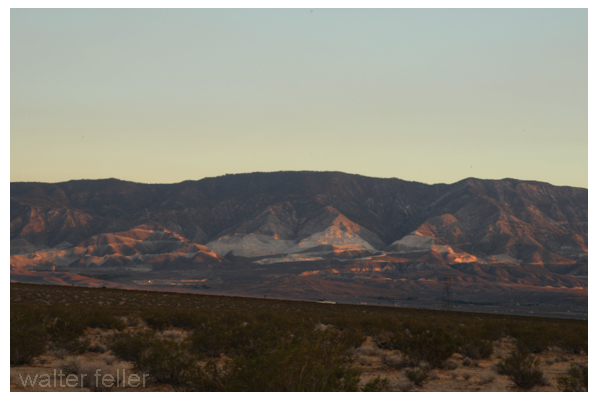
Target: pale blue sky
(425,95)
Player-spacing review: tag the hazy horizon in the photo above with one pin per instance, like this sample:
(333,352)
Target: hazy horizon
(268,172)
(426,95)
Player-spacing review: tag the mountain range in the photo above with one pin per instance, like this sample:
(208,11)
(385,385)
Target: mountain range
(311,235)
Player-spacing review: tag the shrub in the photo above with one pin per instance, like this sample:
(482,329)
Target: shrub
(178,317)
(68,325)
(216,337)
(97,348)
(168,361)
(314,362)
(79,346)
(416,376)
(131,346)
(99,317)
(92,382)
(65,333)
(405,386)
(449,365)
(477,349)
(535,338)
(487,377)
(574,339)
(158,320)
(108,359)
(209,378)
(433,345)
(28,337)
(369,351)
(233,337)
(173,334)
(79,367)
(394,361)
(522,368)
(576,381)
(71,365)
(376,385)
(384,340)
(352,338)
(60,353)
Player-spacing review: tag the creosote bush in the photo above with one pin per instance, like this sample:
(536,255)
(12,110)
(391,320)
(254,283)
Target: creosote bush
(28,337)
(487,377)
(449,365)
(433,344)
(131,346)
(66,326)
(376,385)
(309,360)
(97,348)
(168,361)
(394,361)
(477,349)
(522,368)
(405,386)
(416,375)
(577,379)
(87,371)
(315,361)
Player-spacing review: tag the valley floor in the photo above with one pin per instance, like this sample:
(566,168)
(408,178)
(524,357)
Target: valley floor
(467,376)
(267,344)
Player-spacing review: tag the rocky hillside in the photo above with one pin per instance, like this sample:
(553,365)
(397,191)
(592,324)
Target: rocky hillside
(263,214)
(371,232)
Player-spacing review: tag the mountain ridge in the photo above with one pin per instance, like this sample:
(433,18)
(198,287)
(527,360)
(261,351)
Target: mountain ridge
(348,197)
(336,221)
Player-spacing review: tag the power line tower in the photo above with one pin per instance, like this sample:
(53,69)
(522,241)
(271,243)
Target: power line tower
(447,295)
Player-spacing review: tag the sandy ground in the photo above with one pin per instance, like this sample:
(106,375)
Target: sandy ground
(468,375)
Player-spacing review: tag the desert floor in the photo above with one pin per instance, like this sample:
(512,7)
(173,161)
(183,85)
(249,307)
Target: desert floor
(461,374)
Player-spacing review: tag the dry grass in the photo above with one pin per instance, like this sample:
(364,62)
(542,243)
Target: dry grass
(174,334)
(487,377)
(88,369)
(404,386)
(449,365)
(394,360)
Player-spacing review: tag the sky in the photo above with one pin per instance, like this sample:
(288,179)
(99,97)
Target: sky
(427,95)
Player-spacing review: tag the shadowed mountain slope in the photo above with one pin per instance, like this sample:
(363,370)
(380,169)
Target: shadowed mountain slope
(530,222)
(310,235)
